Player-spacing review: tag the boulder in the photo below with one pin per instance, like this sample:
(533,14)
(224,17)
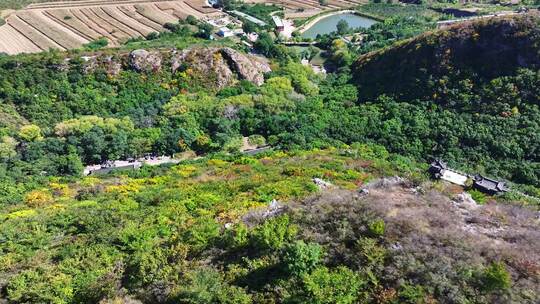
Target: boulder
(322,184)
(145,61)
(465,201)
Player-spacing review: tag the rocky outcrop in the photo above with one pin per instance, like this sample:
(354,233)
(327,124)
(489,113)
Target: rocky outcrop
(218,67)
(207,63)
(248,67)
(145,61)
(223,65)
(112,66)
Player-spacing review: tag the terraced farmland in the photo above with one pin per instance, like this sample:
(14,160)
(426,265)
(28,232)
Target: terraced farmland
(307,8)
(70,24)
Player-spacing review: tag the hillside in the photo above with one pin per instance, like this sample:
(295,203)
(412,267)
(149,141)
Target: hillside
(244,229)
(248,177)
(478,51)
(468,94)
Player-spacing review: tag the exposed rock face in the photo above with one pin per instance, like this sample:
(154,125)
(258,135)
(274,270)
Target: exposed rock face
(248,68)
(219,67)
(222,64)
(207,63)
(145,61)
(112,66)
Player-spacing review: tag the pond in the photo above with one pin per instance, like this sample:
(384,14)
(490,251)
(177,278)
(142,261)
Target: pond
(328,24)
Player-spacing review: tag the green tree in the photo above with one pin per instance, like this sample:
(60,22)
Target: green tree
(205,30)
(342,27)
(190,19)
(249,27)
(8,147)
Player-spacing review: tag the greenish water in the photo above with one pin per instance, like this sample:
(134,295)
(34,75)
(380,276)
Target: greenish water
(329,24)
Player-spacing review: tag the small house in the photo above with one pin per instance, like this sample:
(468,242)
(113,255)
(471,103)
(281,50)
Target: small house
(488,185)
(225,32)
(440,170)
(280,27)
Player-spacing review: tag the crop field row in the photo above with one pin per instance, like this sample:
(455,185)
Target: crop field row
(312,4)
(71,24)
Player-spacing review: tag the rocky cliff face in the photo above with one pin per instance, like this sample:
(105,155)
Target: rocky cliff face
(145,61)
(221,67)
(223,63)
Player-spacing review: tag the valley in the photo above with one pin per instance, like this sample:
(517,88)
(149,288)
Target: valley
(190,152)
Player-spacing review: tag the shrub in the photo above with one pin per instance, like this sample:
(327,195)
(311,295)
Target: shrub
(233,145)
(96,44)
(340,285)
(495,278)
(207,286)
(411,294)
(300,258)
(22,213)
(152,36)
(273,233)
(377,228)
(257,140)
(237,236)
(203,232)
(372,253)
(478,196)
(38,198)
(40,286)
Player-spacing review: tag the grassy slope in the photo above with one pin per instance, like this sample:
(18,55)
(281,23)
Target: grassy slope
(82,240)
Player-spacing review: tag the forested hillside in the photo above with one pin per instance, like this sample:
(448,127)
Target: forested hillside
(476,87)
(59,115)
(476,51)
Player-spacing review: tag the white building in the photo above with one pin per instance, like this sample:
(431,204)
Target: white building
(279,23)
(225,32)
